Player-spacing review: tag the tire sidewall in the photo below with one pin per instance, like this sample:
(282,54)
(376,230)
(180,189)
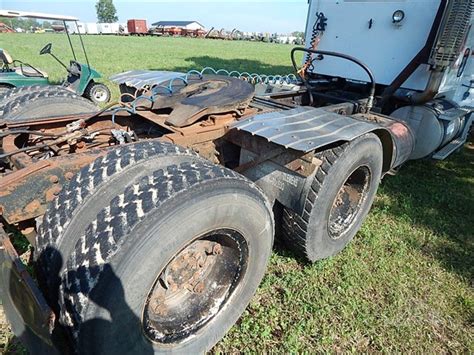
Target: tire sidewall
(53,106)
(365,151)
(154,242)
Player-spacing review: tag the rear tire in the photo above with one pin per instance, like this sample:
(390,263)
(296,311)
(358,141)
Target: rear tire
(157,237)
(46,104)
(340,198)
(98,93)
(82,199)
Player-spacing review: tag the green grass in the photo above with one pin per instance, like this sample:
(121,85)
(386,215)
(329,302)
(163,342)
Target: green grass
(404,284)
(113,54)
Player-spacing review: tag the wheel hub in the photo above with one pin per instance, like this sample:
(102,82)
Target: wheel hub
(194,286)
(348,202)
(186,272)
(100,95)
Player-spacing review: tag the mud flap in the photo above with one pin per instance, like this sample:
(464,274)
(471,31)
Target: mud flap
(26,309)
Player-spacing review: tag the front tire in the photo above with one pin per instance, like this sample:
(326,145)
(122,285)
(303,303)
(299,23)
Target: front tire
(340,198)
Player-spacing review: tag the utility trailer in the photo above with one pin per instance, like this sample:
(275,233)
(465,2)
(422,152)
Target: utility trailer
(152,220)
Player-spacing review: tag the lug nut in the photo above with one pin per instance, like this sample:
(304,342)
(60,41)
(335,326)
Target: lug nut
(199,288)
(54,179)
(217,249)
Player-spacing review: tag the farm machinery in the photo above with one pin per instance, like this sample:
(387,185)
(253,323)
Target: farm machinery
(153,219)
(81,78)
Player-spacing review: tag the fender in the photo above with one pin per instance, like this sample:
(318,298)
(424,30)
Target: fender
(293,136)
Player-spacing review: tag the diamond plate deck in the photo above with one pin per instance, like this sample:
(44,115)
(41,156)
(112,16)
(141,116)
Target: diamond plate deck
(304,128)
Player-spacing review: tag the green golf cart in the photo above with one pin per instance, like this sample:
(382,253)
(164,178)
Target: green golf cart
(81,78)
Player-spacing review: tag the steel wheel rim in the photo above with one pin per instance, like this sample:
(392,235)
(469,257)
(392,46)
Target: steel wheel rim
(195,286)
(100,95)
(348,202)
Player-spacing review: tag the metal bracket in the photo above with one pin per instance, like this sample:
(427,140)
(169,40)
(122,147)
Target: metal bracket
(457,143)
(454,113)
(30,316)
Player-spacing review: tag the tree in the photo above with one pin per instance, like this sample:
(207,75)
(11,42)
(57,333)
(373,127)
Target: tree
(25,24)
(298,34)
(106,11)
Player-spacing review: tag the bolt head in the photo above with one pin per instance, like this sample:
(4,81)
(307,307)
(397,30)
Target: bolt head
(54,179)
(199,288)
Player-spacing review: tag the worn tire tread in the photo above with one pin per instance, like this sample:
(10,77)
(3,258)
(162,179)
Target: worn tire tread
(89,179)
(295,226)
(15,91)
(19,102)
(105,235)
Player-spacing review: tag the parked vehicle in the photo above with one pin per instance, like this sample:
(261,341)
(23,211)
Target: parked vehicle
(137,27)
(15,73)
(153,221)
(7,29)
(81,78)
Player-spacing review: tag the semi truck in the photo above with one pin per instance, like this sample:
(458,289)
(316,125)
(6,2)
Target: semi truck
(153,219)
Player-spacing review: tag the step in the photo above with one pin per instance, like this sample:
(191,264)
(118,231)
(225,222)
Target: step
(457,143)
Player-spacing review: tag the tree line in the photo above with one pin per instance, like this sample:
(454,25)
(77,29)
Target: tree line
(27,23)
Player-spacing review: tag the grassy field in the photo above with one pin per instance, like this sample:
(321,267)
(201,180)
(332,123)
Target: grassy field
(405,283)
(113,54)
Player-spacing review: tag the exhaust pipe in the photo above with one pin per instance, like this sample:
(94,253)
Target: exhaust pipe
(431,90)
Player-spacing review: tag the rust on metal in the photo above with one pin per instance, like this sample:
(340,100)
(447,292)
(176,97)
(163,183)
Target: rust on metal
(52,120)
(20,160)
(41,163)
(69,175)
(54,179)
(185,273)
(298,162)
(53,192)
(25,295)
(25,193)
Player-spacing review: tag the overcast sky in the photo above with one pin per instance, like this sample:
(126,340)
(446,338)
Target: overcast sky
(263,16)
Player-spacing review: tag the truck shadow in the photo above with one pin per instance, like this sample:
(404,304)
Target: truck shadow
(113,316)
(436,197)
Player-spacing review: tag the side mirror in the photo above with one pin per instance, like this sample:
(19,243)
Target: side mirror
(46,49)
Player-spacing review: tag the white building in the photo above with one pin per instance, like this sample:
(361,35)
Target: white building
(108,28)
(287,39)
(186,25)
(92,28)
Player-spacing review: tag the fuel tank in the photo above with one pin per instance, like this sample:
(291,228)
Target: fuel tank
(433,125)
